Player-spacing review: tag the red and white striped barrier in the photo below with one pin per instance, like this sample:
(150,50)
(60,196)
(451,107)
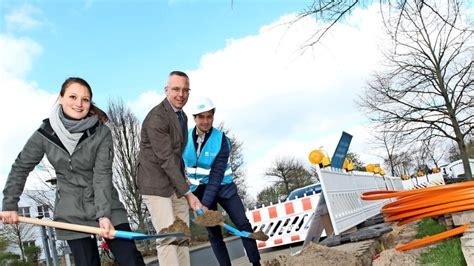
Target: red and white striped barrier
(286,222)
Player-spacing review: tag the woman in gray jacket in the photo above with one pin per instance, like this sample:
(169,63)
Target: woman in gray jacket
(79,146)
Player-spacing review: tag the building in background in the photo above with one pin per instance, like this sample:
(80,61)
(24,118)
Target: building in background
(37,204)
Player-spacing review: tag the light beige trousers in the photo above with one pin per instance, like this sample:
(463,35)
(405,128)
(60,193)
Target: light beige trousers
(163,211)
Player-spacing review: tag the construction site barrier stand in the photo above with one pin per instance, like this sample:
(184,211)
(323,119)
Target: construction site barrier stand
(335,210)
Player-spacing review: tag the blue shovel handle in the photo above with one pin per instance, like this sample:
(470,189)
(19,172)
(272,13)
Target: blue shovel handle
(93,230)
(235,231)
(140,236)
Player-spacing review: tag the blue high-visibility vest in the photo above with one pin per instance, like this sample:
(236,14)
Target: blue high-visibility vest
(198,169)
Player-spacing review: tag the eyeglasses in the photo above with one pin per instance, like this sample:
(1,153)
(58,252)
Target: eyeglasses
(178,90)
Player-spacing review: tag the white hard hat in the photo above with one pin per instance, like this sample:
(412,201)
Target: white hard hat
(200,105)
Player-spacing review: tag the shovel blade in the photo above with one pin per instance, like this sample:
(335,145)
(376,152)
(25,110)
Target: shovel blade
(229,228)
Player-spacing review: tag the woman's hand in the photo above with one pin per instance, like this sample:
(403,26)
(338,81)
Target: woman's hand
(9,217)
(106,224)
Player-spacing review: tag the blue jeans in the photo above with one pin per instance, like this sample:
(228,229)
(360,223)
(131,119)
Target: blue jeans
(236,211)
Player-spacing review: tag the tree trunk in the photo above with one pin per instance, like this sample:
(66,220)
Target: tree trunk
(22,250)
(465,160)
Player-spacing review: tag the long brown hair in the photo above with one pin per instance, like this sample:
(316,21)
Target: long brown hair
(94,110)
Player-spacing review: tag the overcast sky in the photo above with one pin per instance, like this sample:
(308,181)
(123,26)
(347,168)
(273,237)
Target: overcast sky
(277,99)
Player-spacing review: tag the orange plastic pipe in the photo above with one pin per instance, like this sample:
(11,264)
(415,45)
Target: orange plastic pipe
(385,194)
(432,239)
(415,204)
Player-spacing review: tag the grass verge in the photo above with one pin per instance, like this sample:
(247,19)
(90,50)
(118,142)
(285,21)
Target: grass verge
(448,252)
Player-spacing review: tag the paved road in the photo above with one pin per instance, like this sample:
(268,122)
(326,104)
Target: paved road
(203,256)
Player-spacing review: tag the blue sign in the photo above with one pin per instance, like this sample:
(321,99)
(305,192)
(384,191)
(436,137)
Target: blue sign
(340,153)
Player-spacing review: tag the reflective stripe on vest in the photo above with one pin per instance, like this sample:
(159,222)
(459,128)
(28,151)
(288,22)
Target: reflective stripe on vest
(202,171)
(198,169)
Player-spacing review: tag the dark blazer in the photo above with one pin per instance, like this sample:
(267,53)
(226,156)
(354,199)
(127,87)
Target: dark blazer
(160,167)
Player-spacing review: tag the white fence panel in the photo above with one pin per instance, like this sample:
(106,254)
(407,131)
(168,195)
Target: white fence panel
(342,192)
(423,181)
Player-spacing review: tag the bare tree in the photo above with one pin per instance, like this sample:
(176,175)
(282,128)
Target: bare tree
(18,234)
(393,143)
(290,174)
(401,163)
(333,11)
(270,194)
(355,159)
(421,159)
(453,151)
(314,173)
(453,154)
(125,129)
(427,90)
(329,11)
(433,149)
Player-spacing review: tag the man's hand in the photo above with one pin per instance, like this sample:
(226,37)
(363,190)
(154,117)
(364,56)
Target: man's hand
(9,217)
(193,202)
(106,224)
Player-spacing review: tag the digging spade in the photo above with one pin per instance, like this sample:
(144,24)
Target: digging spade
(95,230)
(258,236)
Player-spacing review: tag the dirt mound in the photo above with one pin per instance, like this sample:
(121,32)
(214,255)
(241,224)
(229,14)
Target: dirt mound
(210,218)
(177,226)
(315,254)
(394,258)
(259,235)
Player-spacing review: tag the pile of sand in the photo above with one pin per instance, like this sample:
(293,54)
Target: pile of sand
(177,226)
(213,218)
(315,254)
(259,235)
(210,218)
(394,258)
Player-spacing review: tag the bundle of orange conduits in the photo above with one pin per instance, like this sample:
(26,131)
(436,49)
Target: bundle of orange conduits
(426,202)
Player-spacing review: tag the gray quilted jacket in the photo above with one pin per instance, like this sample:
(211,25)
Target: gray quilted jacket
(84,179)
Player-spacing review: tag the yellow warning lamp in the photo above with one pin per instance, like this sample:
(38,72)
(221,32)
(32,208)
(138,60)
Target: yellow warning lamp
(370,168)
(348,166)
(405,177)
(326,161)
(318,157)
(436,170)
(382,172)
(377,169)
(420,173)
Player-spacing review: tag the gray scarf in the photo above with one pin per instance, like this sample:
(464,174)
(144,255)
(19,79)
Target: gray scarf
(69,131)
